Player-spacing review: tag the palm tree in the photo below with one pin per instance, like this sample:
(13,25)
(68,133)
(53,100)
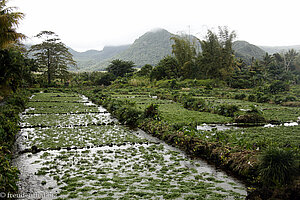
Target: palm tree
(9,20)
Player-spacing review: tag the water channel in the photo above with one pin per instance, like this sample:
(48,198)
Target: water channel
(69,148)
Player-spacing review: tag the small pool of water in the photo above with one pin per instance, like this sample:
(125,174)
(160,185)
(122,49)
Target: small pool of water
(218,127)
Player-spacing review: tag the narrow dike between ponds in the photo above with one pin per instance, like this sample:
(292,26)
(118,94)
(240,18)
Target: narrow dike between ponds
(62,156)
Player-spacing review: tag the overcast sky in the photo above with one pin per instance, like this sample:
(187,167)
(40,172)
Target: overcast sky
(92,24)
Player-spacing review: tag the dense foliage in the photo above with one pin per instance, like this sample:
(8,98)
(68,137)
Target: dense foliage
(202,82)
(9,117)
(16,69)
(120,68)
(8,22)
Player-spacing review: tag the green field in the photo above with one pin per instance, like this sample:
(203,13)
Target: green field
(92,156)
(252,138)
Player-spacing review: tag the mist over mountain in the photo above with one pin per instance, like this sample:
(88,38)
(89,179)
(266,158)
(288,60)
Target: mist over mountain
(154,45)
(91,59)
(278,49)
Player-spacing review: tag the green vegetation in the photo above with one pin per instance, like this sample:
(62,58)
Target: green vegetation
(175,97)
(247,51)
(150,48)
(113,161)
(8,22)
(176,113)
(9,118)
(277,167)
(52,56)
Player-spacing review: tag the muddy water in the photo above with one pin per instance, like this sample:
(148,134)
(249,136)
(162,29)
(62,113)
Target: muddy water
(107,160)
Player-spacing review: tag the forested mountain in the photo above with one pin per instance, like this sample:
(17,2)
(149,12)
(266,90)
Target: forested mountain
(247,51)
(151,47)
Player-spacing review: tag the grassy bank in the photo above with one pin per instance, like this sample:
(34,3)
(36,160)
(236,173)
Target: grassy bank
(237,150)
(9,118)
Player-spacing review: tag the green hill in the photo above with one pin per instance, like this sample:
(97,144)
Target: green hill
(247,51)
(150,48)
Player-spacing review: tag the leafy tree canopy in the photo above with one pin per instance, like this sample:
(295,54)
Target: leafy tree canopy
(52,56)
(9,20)
(217,54)
(120,67)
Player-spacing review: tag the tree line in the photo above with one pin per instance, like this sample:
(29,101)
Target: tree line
(213,58)
(47,63)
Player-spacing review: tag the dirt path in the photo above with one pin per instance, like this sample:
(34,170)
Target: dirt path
(71,149)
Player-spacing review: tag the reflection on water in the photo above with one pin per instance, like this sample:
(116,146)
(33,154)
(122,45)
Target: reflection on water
(217,127)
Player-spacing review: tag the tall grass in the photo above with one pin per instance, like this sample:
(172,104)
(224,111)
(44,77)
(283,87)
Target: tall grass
(277,167)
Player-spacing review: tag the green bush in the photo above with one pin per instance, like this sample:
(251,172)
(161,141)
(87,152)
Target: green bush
(278,99)
(9,117)
(240,96)
(252,98)
(226,110)
(277,167)
(278,86)
(261,98)
(151,111)
(241,84)
(8,173)
(191,103)
(290,98)
(252,116)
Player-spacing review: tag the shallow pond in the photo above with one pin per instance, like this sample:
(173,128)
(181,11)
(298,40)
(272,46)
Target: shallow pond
(110,161)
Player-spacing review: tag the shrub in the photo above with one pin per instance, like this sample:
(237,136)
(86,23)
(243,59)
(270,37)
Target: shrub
(241,84)
(173,84)
(128,115)
(240,96)
(252,98)
(290,98)
(9,174)
(278,86)
(193,103)
(277,167)
(151,111)
(252,116)
(105,79)
(261,98)
(8,129)
(226,110)
(278,99)
(208,87)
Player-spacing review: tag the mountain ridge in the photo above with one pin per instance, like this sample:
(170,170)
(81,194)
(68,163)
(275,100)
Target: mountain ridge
(151,47)
(246,51)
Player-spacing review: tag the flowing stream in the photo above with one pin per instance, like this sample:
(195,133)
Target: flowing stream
(69,148)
